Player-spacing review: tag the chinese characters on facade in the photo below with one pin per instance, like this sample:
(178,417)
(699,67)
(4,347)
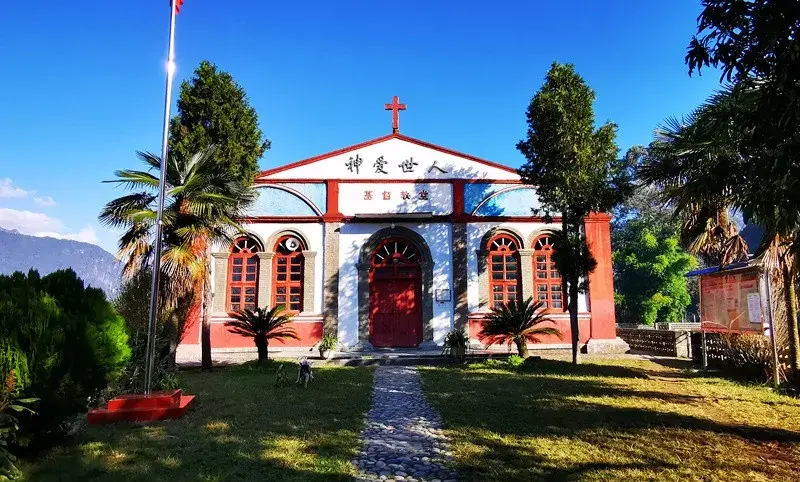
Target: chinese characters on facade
(421,195)
(381,165)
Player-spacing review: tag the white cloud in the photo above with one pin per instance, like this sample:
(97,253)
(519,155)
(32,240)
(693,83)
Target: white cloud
(8,189)
(40,224)
(44,201)
(87,235)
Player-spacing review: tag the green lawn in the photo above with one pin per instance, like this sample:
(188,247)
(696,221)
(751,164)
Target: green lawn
(240,428)
(627,420)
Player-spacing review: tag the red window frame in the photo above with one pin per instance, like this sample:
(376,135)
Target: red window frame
(243,275)
(547,282)
(288,275)
(505,280)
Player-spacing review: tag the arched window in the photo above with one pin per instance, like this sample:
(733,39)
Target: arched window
(243,275)
(395,258)
(288,273)
(504,270)
(546,278)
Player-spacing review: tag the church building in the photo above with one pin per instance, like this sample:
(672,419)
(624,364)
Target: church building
(395,241)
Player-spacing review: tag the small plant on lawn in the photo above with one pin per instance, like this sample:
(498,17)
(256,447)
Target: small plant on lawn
(456,342)
(10,401)
(262,326)
(515,361)
(328,342)
(519,323)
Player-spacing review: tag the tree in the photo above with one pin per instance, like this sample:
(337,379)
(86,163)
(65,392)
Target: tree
(202,205)
(70,345)
(644,204)
(262,326)
(706,166)
(755,44)
(576,170)
(213,110)
(518,323)
(649,275)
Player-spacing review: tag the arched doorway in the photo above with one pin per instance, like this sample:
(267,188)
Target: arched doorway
(395,294)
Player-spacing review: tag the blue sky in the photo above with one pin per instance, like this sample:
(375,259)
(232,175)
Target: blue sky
(82,84)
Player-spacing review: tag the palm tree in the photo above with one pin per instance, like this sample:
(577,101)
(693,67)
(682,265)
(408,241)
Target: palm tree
(262,326)
(202,205)
(713,162)
(517,322)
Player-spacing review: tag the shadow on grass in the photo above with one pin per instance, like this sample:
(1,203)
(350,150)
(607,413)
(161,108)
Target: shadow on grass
(556,421)
(241,428)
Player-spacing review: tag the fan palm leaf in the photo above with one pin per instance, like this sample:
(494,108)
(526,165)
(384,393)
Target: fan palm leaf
(263,325)
(519,323)
(202,203)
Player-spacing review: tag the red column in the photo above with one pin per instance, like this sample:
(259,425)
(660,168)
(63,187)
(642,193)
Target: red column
(601,280)
(458,199)
(332,213)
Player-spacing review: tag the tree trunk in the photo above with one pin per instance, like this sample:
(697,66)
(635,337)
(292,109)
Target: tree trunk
(790,298)
(571,280)
(205,334)
(573,320)
(263,349)
(522,347)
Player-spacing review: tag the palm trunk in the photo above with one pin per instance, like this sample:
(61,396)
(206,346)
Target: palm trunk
(522,347)
(262,345)
(205,334)
(790,298)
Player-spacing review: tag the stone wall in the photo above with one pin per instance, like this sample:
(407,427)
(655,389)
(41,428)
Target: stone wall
(658,342)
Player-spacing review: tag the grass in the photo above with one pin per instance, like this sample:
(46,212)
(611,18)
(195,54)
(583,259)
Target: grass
(240,428)
(609,419)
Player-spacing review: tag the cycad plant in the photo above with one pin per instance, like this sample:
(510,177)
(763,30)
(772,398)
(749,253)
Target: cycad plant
(519,323)
(262,326)
(202,205)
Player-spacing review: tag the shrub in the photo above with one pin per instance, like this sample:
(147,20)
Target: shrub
(11,404)
(749,355)
(133,304)
(515,361)
(66,340)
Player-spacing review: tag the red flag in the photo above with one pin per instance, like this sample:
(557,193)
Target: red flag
(178,4)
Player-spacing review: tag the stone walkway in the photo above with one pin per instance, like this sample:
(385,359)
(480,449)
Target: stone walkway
(403,438)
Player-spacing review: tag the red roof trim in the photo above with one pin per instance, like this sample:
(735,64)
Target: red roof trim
(378,140)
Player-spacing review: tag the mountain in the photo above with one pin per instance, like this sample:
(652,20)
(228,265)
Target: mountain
(95,266)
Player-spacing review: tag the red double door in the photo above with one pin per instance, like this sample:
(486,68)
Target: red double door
(395,311)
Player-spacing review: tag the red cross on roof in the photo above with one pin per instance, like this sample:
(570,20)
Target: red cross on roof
(395,107)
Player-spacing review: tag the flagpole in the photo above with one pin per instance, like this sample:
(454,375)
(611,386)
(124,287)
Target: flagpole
(154,291)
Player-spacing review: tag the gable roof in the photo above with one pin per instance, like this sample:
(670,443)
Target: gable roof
(294,165)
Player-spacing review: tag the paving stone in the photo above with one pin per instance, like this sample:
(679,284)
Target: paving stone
(403,434)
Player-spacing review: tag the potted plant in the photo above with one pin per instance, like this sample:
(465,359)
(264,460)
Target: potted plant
(327,345)
(456,342)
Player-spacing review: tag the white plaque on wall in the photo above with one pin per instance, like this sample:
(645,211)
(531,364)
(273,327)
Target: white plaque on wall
(394,197)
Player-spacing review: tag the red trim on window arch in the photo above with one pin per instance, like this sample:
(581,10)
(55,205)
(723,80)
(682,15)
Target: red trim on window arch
(547,282)
(504,270)
(288,273)
(243,275)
